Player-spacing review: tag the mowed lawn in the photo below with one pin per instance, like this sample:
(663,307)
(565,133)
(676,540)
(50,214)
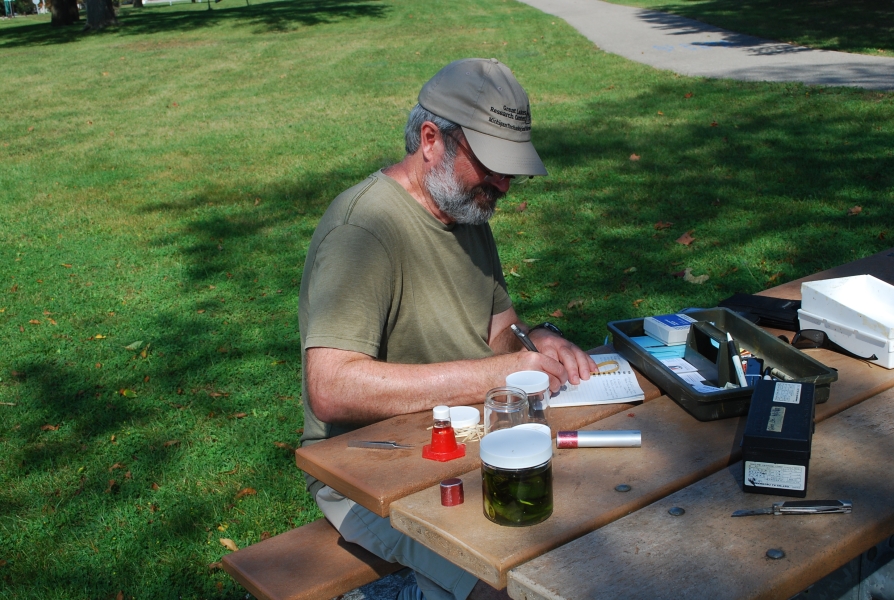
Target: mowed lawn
(159,184)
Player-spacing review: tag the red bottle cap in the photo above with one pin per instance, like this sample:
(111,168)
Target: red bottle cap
(452,491)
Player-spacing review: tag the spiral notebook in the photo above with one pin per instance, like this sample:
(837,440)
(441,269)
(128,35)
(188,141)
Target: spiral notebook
(614,384)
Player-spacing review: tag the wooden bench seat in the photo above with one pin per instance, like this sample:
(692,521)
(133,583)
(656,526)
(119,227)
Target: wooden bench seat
(311,562)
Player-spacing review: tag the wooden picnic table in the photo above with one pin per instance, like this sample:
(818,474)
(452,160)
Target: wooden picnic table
(376,478)
(678,452)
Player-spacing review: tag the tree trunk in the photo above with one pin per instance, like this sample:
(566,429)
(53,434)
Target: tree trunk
(138,3)
(64,12)
(100,13)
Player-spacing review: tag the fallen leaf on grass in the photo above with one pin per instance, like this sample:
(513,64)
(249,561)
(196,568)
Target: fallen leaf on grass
(120,595)
(530,260)
(713,123)
(688,276)
(231,472)
(637,302)
(127,393)
(240,415)
(246,492)
(113,487)
(553,284)
(215,566)
(522,207)
(99,336)
(34,322)
(265,535)
(663,225)
(882,235)
(283,445)
(49,427)
(576,302)
(2,563)
(558,314)
(117,465)
(854,210)
(52,322)
(687,95)
(634,157)
(685,239)
(135,346)
(155,486)
(170,443)
(774,277)
(514,272)
(228,544)
(629,270)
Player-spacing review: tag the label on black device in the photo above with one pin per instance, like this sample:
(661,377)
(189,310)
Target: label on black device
(774,475)
(790,393)
(777,416)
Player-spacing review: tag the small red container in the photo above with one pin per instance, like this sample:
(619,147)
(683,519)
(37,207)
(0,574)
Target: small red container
(452,492)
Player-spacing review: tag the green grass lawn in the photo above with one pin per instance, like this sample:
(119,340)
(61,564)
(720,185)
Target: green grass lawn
(160,182)
(860,26)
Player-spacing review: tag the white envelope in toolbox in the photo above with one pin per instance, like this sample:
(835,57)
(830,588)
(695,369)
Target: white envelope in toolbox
(857,313)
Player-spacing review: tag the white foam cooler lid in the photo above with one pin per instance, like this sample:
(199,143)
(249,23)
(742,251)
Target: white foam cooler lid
(862,302)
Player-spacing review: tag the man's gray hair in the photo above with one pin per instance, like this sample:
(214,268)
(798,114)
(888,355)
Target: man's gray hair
(418,116)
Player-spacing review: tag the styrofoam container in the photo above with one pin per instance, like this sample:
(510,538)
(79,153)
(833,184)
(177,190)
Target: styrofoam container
(857,313)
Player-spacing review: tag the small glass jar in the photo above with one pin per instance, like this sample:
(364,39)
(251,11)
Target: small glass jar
(535,384)
(504,407)
(517,477)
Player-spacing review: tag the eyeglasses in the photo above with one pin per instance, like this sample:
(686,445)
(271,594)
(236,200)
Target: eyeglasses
(817,338)
(491,176)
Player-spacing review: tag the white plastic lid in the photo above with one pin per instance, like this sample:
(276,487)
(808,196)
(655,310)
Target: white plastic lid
(464,416)
(515,448)
(442,413)
(536,427)
(532,382)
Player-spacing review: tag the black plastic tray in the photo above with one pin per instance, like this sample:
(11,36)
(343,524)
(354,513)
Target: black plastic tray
(730,402)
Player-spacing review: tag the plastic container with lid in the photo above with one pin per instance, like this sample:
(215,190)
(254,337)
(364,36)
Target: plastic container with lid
(536,385)
(517,477)
(505,407)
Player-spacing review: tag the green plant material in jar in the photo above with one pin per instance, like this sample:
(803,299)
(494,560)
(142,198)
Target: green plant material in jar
(517,497)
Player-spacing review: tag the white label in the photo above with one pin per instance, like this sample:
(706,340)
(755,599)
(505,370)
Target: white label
(790,393)
(772,475)
(777,416)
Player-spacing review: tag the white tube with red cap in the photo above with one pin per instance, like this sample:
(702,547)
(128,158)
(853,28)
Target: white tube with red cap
(599,439)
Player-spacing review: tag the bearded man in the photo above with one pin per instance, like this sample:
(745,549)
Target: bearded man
(403,304)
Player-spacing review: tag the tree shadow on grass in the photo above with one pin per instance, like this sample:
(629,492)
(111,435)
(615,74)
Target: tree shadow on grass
(265,17)
(844,25)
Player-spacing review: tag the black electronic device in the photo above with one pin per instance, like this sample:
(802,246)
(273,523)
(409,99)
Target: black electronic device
(778,437)
(765,311)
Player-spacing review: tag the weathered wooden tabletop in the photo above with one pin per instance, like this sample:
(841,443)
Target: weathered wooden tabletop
(707,553)
(677,451)
(376,478)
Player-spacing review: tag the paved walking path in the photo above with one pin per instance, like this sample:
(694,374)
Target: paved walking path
(692,48)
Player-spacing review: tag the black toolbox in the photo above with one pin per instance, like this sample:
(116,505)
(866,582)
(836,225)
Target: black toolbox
(724,403)
(778,437)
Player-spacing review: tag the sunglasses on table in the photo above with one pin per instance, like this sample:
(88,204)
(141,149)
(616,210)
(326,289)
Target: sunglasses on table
(817,338)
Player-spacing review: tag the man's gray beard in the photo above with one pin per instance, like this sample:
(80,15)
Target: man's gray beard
(454,200)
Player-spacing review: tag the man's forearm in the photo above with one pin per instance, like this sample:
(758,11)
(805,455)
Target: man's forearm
(348,387)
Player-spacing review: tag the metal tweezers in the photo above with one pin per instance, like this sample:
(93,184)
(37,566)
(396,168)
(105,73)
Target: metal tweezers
(380,445)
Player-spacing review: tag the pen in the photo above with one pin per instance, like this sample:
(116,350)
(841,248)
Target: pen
(737,361)
(524,338)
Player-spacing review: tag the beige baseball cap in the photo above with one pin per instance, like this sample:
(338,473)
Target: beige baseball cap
(484,98)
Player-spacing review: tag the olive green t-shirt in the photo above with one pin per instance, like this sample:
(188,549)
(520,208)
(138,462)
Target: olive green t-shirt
(385,278)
